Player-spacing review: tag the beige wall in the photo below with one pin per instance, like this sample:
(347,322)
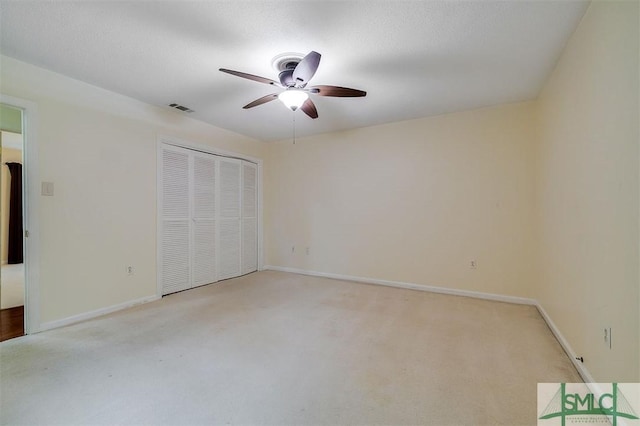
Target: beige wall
(413,201)
(99,150)
(9,155)
(587,192)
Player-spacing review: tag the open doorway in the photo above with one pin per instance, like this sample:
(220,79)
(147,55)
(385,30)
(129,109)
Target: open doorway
(12,271)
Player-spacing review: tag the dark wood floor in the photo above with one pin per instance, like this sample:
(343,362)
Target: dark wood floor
(11,323)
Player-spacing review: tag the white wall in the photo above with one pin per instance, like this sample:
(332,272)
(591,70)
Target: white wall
(413,201)
(587,192)
(99,150)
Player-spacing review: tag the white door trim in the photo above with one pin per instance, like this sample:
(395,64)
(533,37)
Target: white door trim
(31,189)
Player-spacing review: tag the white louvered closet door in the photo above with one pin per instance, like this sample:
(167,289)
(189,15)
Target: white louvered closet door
(249,217)
(175,222)
(204,219)
(208,212)
(229,218)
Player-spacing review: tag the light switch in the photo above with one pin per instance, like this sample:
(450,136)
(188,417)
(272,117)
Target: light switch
(47,189)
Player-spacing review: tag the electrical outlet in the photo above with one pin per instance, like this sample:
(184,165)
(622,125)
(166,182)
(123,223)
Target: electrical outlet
(129,270)
(473,264)
(307,251)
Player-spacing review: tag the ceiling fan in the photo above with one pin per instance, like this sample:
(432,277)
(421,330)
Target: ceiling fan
(294,76)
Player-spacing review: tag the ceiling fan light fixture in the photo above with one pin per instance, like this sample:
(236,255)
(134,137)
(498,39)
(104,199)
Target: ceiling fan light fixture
(293,98)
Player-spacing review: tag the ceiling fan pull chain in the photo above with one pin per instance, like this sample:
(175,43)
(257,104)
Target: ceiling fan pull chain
(294,127)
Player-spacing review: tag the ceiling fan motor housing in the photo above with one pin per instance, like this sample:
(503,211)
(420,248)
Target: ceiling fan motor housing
(285,63)
(286,78)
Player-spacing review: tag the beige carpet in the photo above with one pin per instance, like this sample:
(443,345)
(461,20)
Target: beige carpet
(277,348)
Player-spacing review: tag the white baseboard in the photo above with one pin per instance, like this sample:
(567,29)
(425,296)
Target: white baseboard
(410,286)
(584,373)
(582,370)
(93,314)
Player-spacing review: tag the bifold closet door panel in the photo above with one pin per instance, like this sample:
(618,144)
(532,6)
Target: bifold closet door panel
(249,246)
(175,257)
(204,219)
(249,218)
(229,220)
(175,222)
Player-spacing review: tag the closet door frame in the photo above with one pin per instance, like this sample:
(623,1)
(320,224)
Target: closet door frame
(163,141)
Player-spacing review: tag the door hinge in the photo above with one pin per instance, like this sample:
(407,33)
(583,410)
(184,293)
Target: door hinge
(26,234)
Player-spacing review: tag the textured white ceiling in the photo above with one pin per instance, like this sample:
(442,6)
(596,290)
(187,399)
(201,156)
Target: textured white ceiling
(414,58)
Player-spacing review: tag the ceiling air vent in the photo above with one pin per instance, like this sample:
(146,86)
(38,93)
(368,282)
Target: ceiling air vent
(181,107)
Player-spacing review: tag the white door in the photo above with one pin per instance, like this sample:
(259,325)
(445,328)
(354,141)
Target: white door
(204,219)
(249,217)
(229,220)
(175,218)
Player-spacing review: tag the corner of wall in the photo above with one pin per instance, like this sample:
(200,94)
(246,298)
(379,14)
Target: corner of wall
(587,193)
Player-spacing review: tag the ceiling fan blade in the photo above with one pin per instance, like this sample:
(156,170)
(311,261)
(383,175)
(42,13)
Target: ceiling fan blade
(251,77)
(260,101)
(341,92)
(306,68)
(309,108)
